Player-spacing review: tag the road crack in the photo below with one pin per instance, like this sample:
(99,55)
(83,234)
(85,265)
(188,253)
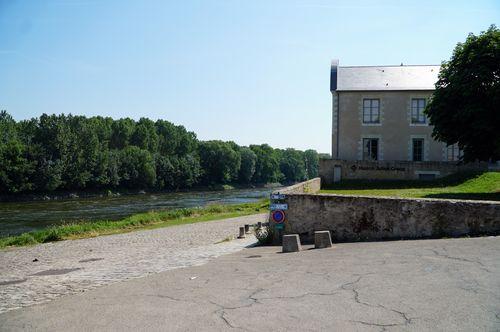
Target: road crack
(351,286)
(461,259)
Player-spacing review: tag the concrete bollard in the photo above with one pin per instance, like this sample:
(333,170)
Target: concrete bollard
(322,239)
(242,233)
(291,243)
(247,229)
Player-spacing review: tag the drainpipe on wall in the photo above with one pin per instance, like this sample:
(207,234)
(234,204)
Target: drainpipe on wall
(333,90)
(338,123)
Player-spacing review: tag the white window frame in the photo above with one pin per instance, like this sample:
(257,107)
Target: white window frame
(417,111)
(456,153)
(369,139)
(410,109)
(426,147)
(371,109)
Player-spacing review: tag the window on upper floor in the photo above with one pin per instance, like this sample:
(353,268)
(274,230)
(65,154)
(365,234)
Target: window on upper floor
(371,111)
(417,111)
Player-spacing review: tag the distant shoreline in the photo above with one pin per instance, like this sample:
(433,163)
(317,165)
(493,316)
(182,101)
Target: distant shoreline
(139,221)
(76,194)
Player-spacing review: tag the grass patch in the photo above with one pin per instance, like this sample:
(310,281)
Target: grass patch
(148,220)
(485,186)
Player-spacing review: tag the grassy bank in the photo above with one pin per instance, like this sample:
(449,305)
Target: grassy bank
(485,186)
(148,220)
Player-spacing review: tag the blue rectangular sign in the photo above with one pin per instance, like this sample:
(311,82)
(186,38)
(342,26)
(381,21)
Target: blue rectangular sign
(278,196)
(273,207)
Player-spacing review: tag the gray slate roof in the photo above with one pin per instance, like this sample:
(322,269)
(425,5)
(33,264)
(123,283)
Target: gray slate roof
(376,78)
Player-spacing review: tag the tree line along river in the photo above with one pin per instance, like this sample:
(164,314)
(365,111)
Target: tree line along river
(20,217)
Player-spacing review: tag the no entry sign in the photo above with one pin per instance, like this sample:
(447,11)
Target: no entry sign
(278,216)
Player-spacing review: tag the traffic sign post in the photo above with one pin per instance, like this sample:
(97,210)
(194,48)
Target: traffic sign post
(278,216)
(278,196)
(278,209)
(282,206)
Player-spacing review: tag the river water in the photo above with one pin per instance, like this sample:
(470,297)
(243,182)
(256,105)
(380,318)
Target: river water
(20,217)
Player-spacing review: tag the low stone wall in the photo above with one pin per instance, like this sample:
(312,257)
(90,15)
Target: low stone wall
(307,187)
(392,170)
(356,218)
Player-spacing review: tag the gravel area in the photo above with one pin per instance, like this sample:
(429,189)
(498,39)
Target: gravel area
(38,274)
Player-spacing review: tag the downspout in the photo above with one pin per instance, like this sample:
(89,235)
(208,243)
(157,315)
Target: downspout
(333,90)
(338,122)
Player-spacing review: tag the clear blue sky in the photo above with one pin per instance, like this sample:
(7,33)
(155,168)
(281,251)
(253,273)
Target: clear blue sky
(247,71)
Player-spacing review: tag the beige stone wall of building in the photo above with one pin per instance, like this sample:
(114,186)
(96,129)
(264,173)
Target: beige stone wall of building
(392,170)
(395,131)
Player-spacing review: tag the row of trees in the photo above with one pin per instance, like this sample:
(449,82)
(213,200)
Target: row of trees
(66,152)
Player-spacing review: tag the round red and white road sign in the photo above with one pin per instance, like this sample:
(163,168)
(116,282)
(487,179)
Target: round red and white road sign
(278,216)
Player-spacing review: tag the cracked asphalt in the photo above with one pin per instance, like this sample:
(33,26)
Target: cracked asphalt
(421,285)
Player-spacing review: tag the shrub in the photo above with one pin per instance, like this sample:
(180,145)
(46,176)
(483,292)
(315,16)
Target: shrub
(264,235)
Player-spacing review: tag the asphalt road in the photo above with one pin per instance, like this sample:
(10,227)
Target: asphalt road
(422,285)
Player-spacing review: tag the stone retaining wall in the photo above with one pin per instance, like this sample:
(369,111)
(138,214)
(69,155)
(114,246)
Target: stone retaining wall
(307,187)
(355,218)
(392,170)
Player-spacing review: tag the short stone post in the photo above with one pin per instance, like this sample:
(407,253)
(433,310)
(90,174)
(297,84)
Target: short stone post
(291,243)
(247,229)
(322,239)
(242,233)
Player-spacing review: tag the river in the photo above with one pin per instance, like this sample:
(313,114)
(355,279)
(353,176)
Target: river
(20,217)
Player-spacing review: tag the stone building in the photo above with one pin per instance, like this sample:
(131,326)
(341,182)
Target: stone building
(379,124)
(378,114)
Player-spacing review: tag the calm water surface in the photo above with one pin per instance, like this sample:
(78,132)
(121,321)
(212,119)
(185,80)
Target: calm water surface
(20,217)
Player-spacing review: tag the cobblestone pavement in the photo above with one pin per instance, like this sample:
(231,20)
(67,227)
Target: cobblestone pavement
(38,274)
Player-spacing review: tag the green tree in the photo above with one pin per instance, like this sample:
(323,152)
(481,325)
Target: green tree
(145,135)
(137,168)
(121,132)
(248,162)
(464,108)
(49,175)
(165,172)
(15,169)
(267,167)
(219,161)
(187,170)
(292,165)
(8,129)
(67,152)
(311,159)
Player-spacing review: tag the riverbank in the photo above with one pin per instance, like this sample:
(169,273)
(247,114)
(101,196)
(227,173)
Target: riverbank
(36,274)
(22,217)
(141,221)
(72,194)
